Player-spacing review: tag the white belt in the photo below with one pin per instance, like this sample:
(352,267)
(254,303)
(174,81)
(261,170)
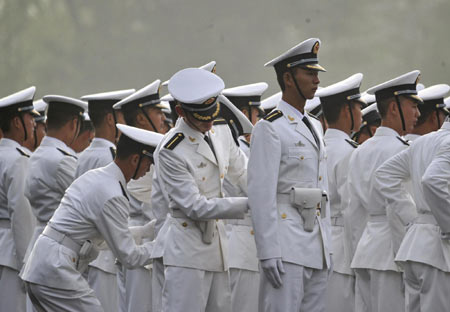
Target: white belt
(337,221)
(61,238)
(426,218)
(246,222)
(377,218)
(5,223)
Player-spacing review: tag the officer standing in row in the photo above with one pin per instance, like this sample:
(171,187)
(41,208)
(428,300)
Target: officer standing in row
(16,218)
(102,151)
(423,251)
(192,163)
(93,212)
(378,278)
(287,176)
(371,121)
(341,105)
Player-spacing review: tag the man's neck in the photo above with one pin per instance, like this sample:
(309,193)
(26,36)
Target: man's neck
(61,135)
(393,125)
(340,126)
(14,136)
(104,133)
(295,101)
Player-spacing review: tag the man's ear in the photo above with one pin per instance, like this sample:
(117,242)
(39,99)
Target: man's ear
(287,78)
(110,119)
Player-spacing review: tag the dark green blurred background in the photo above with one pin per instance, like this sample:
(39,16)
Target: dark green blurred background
(77,47)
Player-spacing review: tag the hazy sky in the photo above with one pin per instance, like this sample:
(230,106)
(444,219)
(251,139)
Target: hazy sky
(77,47)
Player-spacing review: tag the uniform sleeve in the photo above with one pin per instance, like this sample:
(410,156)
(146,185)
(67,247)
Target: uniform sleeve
(390,190)
(22,219)
(65,173)
(113,225)
(160,204)
(183,190)
(436,188)
(263,168)
(237,169)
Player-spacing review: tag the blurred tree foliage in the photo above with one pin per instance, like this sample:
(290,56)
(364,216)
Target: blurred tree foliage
(76,47)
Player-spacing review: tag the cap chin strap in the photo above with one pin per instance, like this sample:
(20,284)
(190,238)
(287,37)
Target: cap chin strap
(77,132)
(35,138)
(401,112)
(291,71)
(351,116)
(24,129)
(116,131)
(149,120)
(438,118)
(137,168)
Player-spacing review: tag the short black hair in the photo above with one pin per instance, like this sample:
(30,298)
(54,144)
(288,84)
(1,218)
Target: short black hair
(58,114)
(331,110)
(130,115)
(98,110)
(86,125)
(425,112)
(6,115)
(383,106)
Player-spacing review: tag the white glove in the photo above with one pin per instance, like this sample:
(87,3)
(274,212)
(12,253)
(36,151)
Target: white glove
(272,269)
(143,231)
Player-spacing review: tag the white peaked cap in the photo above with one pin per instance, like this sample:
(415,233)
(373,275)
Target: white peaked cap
(148,95)
(211,67)
(372,107)
(436,92)
(368,98)
(236,115)
(65,100)
(312,104)
(271,102)
(254,89)
(40,105)
(23,97)
(351,83)
(303,54)
(111,95)
(402,85)
(195,86)
(142,136)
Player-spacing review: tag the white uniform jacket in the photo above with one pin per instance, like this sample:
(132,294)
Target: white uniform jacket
(100,153)
(375,249)
(193,179)
(339,148)
(422,242)
(51,170)
(244,146)
(94,208)
(283,155)
(16,218)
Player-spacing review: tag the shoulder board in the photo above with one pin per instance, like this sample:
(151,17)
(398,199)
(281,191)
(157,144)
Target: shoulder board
(352,143)
(113,152)
(65,153)
(245,142)
(273,115)
(22,152)
(312,116)
(220,121)
(174,141)
(123,191)
(403,141)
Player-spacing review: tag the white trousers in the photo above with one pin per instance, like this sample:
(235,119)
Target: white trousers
(195,290)
(340,293)
(379,291)
(427,288)
(303,290)
(244,290)
(54,299)
(157,284)
(138,290)
(12,291)
(105,287)
(122,295)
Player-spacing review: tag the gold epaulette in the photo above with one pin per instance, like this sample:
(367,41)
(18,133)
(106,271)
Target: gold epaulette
(174,141)
(273,115)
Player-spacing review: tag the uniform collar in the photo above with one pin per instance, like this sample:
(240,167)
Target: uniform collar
(10,143)
(54,142)
(193,136)
(446,125)
(291,113)
(100,142)
(385,131)
(336,133)
(115,171)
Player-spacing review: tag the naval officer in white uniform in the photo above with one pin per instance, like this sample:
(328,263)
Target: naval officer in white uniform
(102,151)
(94,211)
(287,177)
(379,284)
(423,253)
(341,104)
(16,218)
(193,160)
